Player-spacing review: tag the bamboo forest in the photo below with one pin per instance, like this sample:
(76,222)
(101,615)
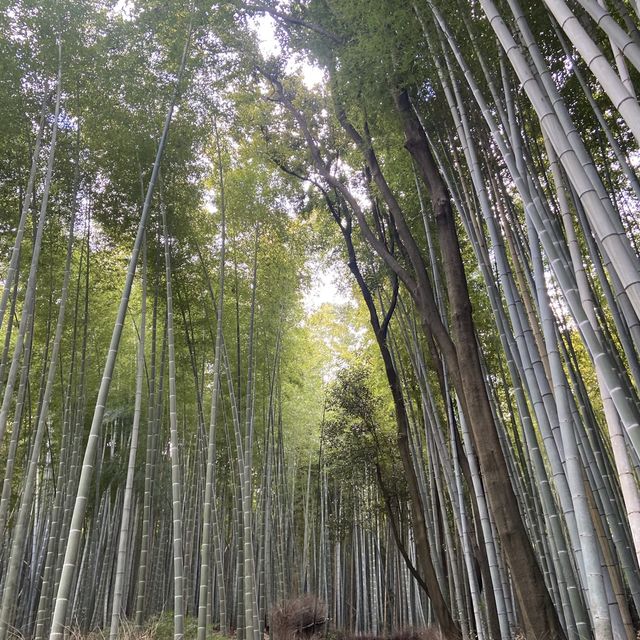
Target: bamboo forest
(320,319)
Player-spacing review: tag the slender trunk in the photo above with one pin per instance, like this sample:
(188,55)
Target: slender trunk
(84,485)
(118,589)
(208,507)
(176,471)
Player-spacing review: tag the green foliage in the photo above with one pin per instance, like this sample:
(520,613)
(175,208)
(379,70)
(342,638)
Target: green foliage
(161,628)
(158,627)
(318,375)
(358,440)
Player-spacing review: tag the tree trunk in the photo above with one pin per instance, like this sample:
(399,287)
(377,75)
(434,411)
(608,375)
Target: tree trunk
(539,614)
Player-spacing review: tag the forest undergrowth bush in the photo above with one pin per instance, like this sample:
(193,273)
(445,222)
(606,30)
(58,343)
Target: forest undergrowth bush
(305,618)
(302,617)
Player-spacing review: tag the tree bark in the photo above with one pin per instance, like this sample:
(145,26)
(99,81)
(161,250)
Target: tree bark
(425,562)
(539,615)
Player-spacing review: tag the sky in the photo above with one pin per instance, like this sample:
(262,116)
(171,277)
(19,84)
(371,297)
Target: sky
(325,286)
(265,29)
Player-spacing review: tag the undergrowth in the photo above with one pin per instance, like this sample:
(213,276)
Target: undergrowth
(158,627)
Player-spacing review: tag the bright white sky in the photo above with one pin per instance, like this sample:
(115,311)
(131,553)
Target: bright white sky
(264,27)
(324,286)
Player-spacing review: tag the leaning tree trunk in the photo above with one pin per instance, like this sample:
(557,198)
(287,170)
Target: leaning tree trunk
(539,614)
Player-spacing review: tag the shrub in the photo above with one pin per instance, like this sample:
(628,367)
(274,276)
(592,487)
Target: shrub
(301,617)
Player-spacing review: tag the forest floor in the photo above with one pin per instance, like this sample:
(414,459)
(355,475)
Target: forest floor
(157,628)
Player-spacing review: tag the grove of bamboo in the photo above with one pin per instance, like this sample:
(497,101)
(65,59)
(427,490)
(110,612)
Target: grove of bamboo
(194,426)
